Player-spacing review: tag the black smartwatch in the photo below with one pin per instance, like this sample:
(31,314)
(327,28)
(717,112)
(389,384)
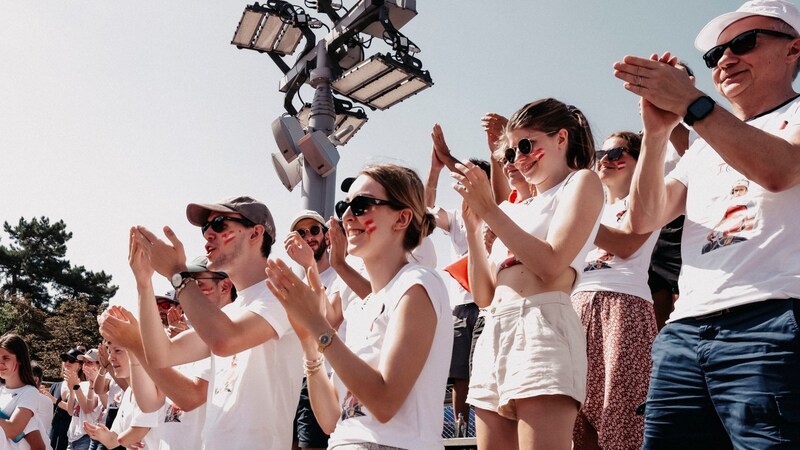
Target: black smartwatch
(698,110)
(76,387)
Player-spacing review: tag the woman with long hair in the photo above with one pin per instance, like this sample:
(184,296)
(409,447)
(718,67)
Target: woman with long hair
(529,366)
(19,397)
(391,371)
(615,306)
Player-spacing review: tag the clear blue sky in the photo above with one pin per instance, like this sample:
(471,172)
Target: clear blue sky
(114,114)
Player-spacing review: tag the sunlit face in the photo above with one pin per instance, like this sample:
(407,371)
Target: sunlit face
(223,248)
(757,71)
(318,242)
(545,152)
(9,368)
(370,233)
(621,169)
(118,357)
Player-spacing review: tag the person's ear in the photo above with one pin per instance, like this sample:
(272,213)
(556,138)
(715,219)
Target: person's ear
(403,219)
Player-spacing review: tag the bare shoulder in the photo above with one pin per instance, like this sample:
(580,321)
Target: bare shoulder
(584,182)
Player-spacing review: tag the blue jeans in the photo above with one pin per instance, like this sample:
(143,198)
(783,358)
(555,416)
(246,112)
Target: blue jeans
(80,444)
(727,380)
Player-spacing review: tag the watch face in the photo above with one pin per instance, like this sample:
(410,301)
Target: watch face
(324,339)
(176,280)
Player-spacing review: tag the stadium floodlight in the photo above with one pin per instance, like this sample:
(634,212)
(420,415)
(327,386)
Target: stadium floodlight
(382,81)
(290,173)
(345,119)
(275,27)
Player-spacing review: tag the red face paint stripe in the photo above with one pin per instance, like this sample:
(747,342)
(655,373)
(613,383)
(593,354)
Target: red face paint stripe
(370,226)
(538,154)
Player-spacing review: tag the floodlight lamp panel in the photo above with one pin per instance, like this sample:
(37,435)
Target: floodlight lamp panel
(248,27)
(400,13)
(386,82)
(404,91)
(288,41)
(348,121)
(359,75)
(269,34)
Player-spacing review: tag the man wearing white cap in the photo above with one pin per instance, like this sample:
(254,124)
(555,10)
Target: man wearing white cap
(255,354)
(725,368)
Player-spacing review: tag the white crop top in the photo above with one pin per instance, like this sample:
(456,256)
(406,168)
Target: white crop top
(534,215)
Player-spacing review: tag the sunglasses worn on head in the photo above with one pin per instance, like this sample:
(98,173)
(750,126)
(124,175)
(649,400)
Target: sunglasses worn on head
(218,223)
(314,230)
(360,204)
(739,45)
(525,146)
(613,154)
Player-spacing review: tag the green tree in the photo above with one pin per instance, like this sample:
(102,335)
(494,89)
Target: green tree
(73,322)
(34,266)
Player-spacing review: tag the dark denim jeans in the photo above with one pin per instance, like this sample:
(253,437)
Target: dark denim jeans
(727,380)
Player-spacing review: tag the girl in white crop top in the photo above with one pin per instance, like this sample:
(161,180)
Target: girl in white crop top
(551,144)
(391,373)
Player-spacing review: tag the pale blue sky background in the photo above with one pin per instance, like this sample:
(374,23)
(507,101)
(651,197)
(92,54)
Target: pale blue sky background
(114,114)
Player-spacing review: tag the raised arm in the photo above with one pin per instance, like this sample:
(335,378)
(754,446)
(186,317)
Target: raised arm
(494,125)
(346,272)
(775,166)
(151,385)
(383,390)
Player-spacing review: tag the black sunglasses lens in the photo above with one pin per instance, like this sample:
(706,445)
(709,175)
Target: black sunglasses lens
(359,205)
(742,44)
(511,155)
(615,154)
(314,230)
(302,233)
(341,208)
(524,146)
(713,56)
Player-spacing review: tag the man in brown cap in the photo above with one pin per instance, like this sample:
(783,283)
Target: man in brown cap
(255,354)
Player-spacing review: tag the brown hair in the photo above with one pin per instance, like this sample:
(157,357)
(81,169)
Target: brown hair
(404,188)
(632,140)
(16,346)
(550,115)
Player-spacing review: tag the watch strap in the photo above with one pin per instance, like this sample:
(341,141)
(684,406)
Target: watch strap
(184,283)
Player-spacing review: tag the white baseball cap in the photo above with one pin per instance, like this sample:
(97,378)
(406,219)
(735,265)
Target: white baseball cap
(779,9)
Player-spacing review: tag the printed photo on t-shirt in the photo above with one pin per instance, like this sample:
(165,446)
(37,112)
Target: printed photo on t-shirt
(739,217)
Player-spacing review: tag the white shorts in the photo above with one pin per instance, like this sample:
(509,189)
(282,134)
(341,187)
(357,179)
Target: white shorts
(529,346)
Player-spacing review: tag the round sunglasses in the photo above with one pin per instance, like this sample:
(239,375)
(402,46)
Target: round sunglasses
(525,146)
(740,45)
(360,204)
(314,230)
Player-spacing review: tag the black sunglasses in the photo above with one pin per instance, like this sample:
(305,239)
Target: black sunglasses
(613,154)
(314,230)
(360,204)
(525,146)
(218,223)
(739,45)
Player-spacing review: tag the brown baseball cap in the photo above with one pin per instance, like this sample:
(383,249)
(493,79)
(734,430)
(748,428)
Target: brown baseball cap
(250,208)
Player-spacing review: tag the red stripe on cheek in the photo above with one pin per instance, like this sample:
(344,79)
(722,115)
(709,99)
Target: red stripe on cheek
(227,237)
(538,154)
(620,165)
(370,226)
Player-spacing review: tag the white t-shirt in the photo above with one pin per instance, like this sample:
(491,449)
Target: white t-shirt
(79,416)
(607,272)
(738,243)
(129,415)
(458,248)
(45,414)
(26,397)
(424,254)
(183,430)
(253,394)
(418,422)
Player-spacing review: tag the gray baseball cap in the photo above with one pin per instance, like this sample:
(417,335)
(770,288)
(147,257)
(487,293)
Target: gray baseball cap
(250,208)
